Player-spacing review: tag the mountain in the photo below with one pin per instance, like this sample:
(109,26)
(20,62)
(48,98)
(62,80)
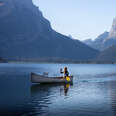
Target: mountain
(112,33)
(98,43)
(89,42)
(105,40)
(108,55)
(26,34)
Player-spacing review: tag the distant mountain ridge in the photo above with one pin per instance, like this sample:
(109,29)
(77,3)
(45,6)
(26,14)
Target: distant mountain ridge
(98,43)
(108,55)
(25,33)
(105,40)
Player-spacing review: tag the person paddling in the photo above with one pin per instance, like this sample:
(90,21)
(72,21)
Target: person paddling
(65,72)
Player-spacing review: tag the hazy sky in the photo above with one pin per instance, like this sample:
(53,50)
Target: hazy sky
(82,19)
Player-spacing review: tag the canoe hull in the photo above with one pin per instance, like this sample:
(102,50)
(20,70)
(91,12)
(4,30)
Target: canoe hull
(36,78)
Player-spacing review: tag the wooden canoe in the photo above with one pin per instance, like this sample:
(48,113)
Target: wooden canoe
(36,78)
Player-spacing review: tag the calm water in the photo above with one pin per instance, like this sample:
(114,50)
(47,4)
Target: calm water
(92,94)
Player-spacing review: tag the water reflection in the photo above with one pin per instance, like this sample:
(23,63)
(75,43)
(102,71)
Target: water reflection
(15,95)
(65,89)
(93,92)
(44,94)
(112,91)
(43,88)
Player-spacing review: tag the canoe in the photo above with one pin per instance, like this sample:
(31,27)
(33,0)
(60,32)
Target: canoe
(36,78)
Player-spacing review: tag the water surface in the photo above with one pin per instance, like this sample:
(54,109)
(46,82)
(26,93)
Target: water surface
(93,92)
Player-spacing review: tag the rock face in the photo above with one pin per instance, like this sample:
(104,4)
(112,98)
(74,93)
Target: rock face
(112,33)
(105,40)
(25,33)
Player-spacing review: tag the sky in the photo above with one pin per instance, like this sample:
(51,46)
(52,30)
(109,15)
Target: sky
(82,19)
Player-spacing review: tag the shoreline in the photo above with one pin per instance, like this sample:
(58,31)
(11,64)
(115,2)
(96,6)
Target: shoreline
(56,62)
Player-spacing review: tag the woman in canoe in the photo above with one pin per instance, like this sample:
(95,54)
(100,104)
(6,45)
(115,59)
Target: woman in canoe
(65,72)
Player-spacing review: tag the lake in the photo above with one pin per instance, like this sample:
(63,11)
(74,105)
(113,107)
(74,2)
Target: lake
(93,92)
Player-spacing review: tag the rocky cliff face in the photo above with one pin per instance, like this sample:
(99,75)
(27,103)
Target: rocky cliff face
(22,20)
(25,33)
(112,33)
